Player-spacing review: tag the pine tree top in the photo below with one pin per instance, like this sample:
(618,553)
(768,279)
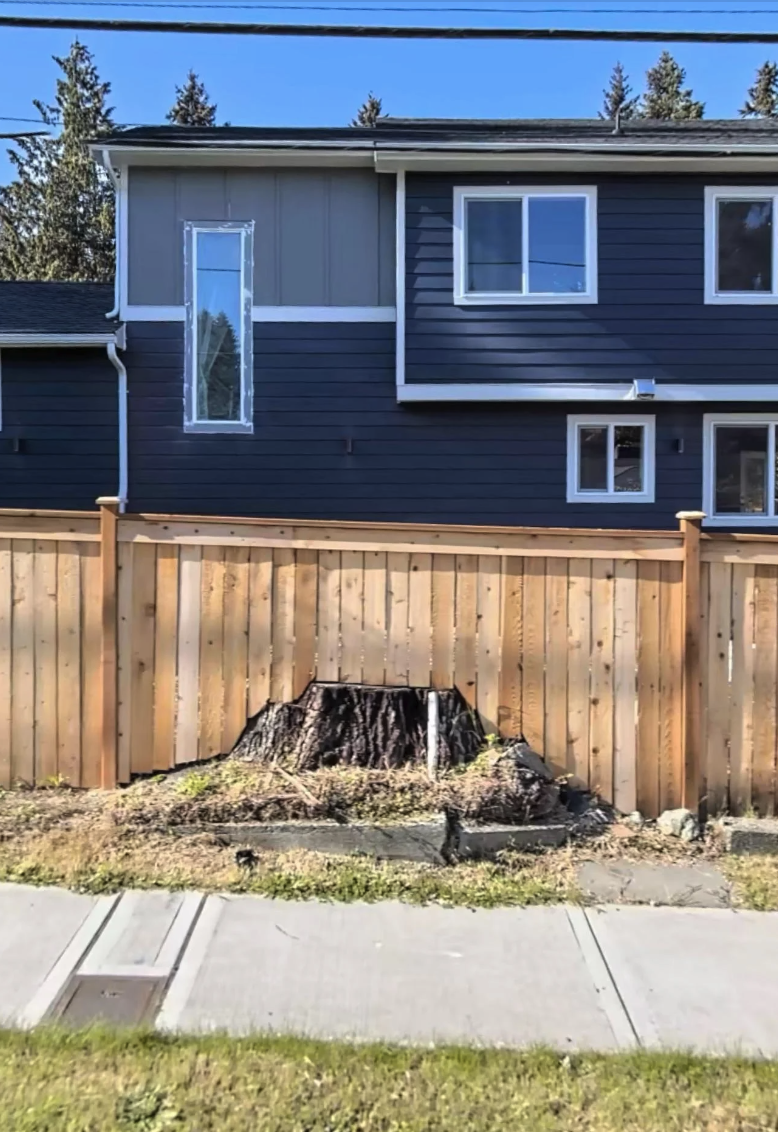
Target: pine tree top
(192,107)
(57,214)
(762,100)
(369,112)
(666,98)
(617,100)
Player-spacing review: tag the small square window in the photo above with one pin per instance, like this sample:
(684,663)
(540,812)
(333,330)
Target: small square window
(610,460)
(740,469)
(525,245)
(740,246)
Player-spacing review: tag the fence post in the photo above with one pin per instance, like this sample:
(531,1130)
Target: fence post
(109,512)
(692,671)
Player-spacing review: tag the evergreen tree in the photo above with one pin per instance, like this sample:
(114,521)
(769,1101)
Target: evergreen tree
(666,97)
(616,99)
(762,100)
(369,112)
(57,215)
(192,106)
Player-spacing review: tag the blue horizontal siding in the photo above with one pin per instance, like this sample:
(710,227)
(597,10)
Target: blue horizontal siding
(421,463)
(61,405)
(650,322)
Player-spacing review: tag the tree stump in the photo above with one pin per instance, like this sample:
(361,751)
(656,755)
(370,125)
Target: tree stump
(364,725)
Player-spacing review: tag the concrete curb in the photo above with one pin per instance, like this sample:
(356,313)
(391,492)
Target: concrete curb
(436,841)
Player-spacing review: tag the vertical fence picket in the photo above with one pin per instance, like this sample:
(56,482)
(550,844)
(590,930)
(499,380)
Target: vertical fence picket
(374,670)
(466,626)
(671,640)
(648,689)
(165,649)
(579,597)
(6,656)
(533,663)
(329,615)
(765,688)
(512,646)
(742,734)
(625,660)
(601,721)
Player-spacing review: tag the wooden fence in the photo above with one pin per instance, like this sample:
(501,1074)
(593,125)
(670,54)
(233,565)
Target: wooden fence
(642,663)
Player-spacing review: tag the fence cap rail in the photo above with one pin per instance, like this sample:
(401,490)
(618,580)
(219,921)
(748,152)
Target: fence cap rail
(362,525)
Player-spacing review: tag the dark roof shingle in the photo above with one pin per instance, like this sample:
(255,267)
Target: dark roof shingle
(728,133)
(56,308)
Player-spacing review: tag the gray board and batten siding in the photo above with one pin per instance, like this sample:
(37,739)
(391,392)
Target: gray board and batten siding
(650,320)
(323,237)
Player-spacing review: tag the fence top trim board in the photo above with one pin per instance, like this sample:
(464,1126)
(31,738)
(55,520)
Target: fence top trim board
(320,534)
(441,540)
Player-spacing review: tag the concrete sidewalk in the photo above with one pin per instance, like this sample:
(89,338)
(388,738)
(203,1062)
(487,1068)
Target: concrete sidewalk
(605,979)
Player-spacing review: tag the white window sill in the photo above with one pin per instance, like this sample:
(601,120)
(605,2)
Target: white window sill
(211,427)
(615,497)
(738,299)
(507,300)
(740,520)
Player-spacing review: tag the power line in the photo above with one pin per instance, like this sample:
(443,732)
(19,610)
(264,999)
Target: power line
(379,31)
(383,8)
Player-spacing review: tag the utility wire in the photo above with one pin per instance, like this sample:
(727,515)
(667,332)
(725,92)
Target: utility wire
(378,31)
(286,7)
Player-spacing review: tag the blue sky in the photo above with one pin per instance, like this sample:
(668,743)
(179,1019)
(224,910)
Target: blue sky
(321,82)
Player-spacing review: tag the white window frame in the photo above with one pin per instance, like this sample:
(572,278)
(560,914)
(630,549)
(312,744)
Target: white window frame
(464,194)
(713,194)
(736,519)
(191,422)
(578,421)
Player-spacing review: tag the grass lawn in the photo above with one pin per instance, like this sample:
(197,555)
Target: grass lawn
(96,1081)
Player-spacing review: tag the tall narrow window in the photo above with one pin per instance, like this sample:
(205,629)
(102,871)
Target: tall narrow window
(219,367)
(610,459)
(534,245)
(741,234)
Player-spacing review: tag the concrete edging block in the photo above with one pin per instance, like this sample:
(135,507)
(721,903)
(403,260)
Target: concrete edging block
(434,841)
(750,835)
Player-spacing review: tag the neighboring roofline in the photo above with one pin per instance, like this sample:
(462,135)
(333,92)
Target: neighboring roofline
(33,339)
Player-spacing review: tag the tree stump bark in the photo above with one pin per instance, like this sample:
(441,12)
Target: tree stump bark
(333,724)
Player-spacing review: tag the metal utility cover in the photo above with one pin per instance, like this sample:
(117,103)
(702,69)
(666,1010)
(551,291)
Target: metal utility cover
(115,1001)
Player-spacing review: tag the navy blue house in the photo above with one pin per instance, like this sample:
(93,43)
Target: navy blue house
(544,323)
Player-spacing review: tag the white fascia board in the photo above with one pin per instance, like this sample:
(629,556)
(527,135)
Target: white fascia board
(537,160)
(20,340)
(570,391)
(299,154)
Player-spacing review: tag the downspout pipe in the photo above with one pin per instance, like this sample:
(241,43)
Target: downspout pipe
(121,371)
(107,165)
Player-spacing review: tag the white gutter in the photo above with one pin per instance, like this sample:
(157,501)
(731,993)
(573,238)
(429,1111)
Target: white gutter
(108,166)
(121,371)
(24,340)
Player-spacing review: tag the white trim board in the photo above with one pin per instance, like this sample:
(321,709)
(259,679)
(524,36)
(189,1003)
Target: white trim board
(582,391)
(611,421)
(138,313)
(31,340)
(399,285)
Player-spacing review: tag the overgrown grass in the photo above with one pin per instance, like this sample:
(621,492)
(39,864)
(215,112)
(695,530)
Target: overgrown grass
(98,1081)
(755,880)
(103,858)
